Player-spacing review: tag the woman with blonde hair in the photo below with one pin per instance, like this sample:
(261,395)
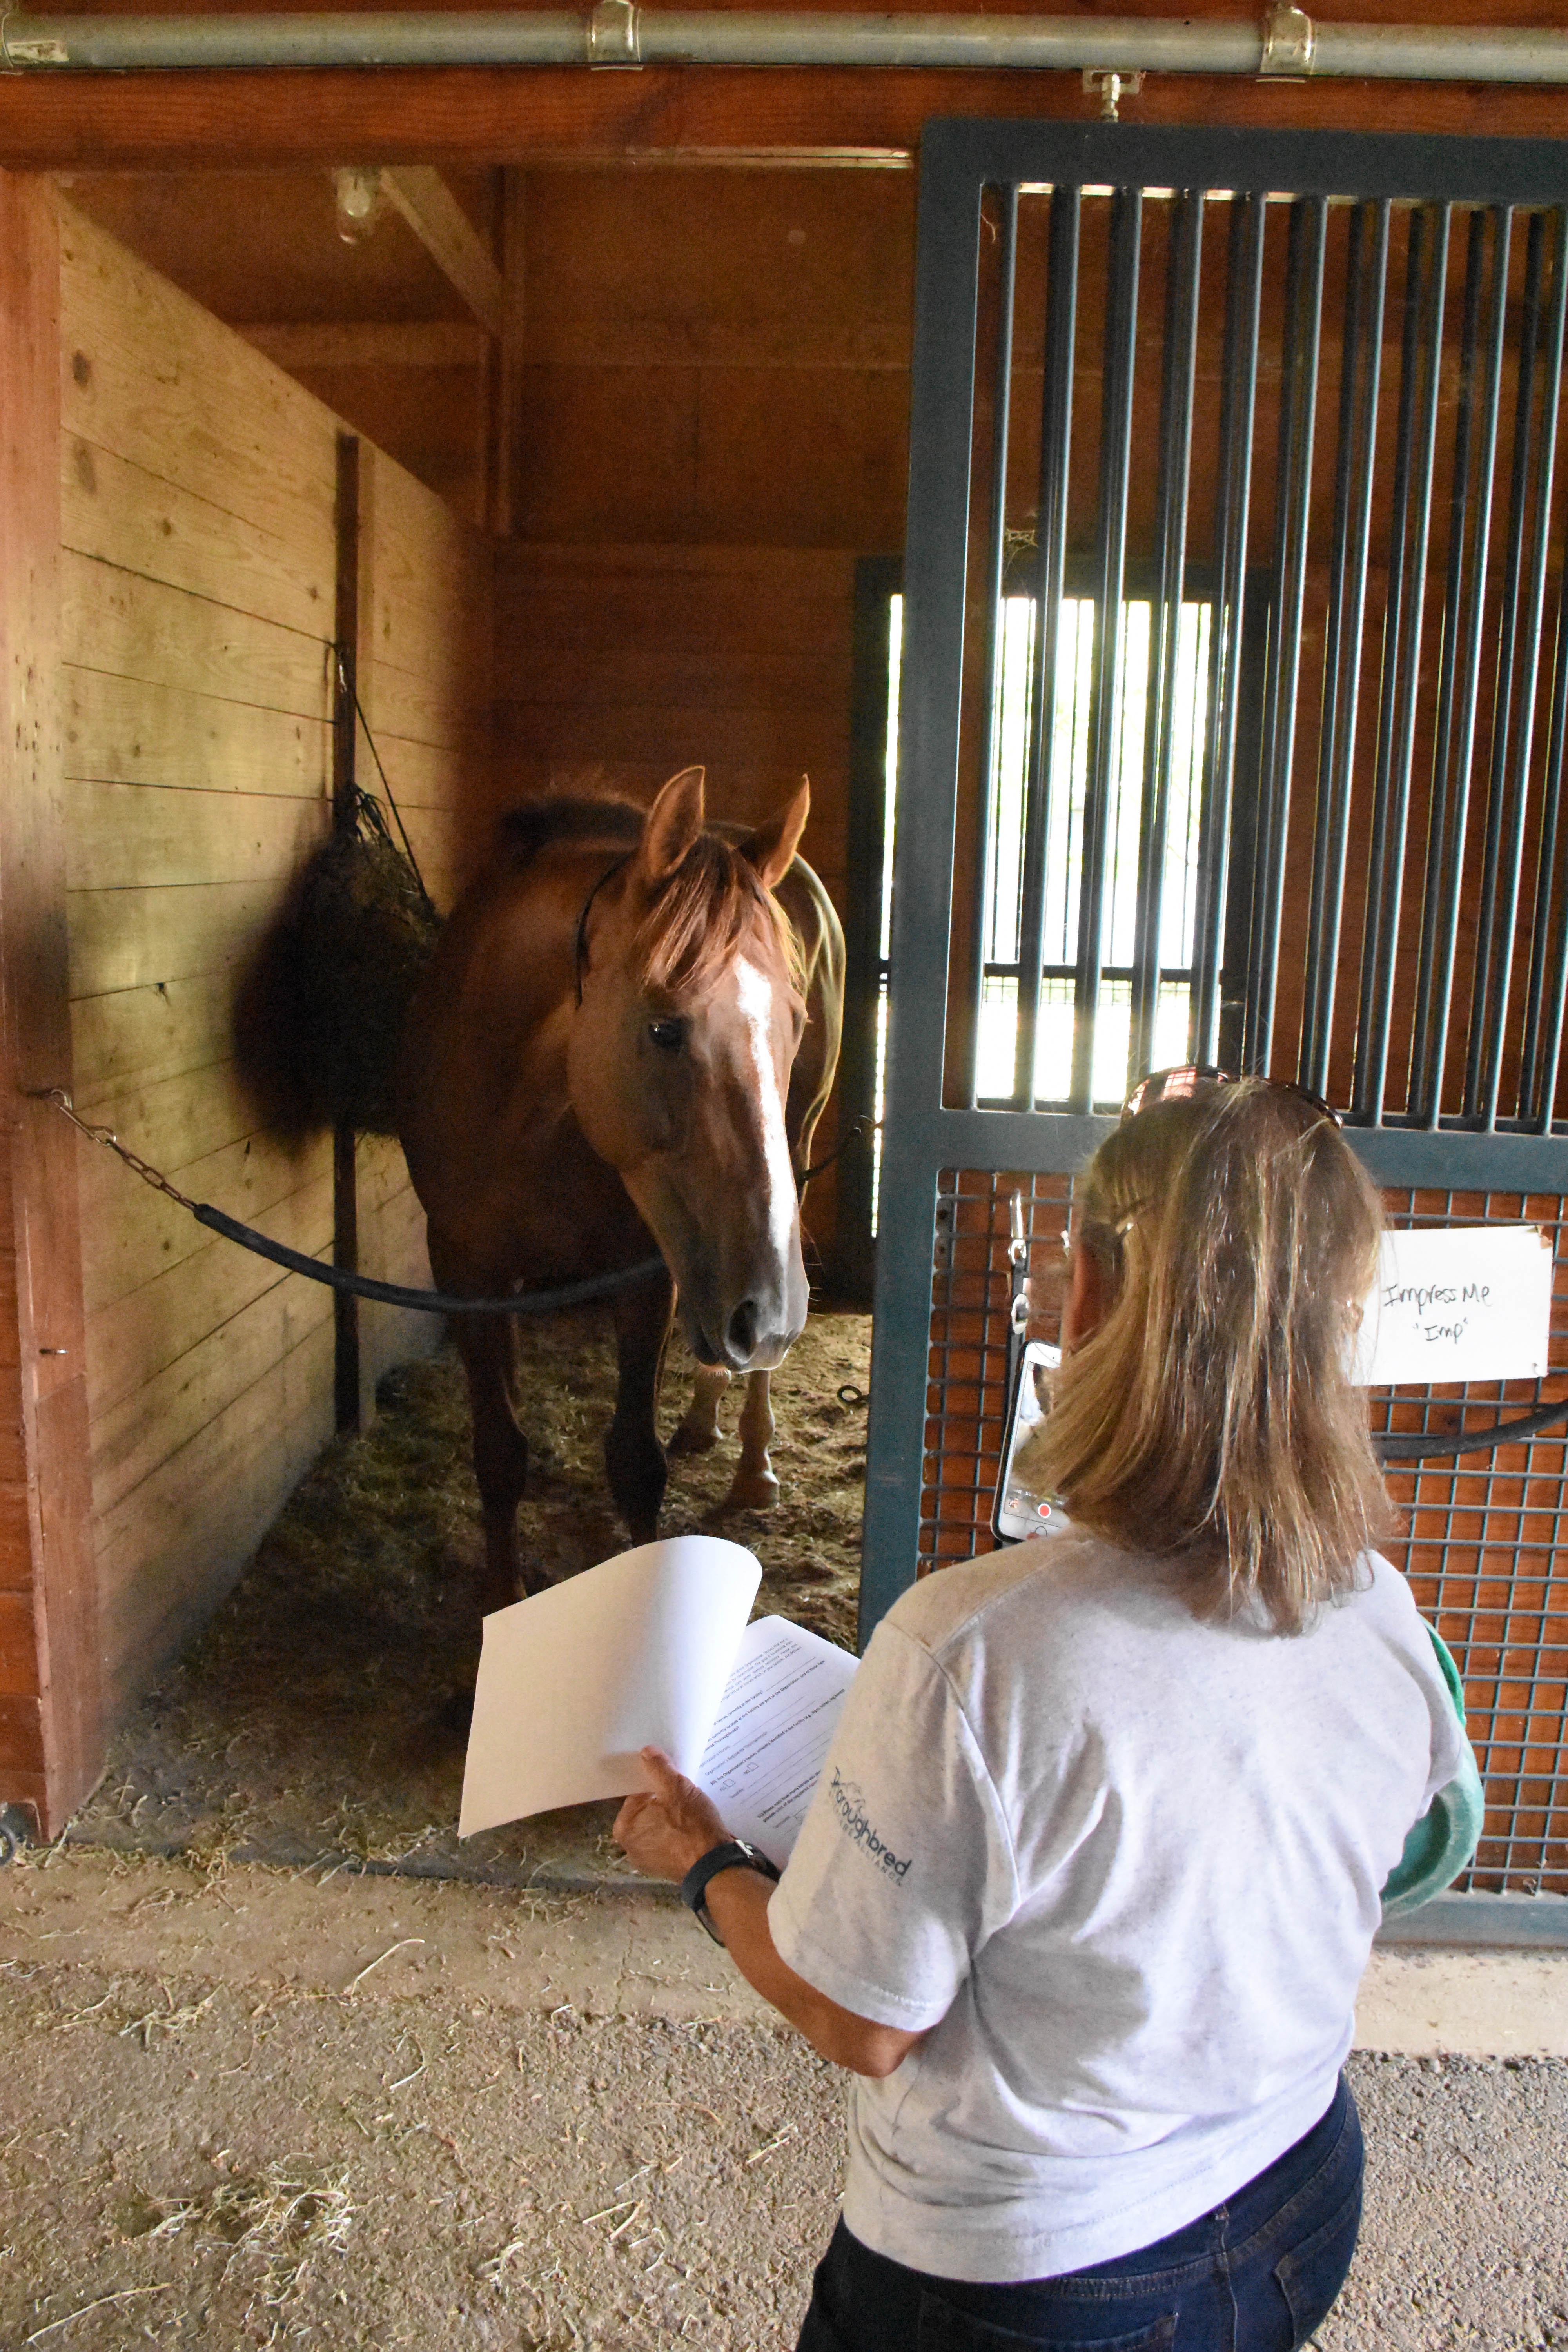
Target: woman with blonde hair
(1094,1869)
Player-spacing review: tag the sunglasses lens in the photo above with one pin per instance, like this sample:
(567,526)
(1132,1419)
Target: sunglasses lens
(1166,1086)
(1161,1085)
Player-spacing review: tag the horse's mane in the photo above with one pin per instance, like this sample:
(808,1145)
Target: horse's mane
(710,906)
(538,825)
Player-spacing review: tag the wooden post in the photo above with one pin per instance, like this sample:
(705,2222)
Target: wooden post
(345,731)
(50,1714)
(502,385)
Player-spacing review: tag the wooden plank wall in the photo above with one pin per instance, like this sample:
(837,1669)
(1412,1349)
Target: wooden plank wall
(198,486)
(425,680)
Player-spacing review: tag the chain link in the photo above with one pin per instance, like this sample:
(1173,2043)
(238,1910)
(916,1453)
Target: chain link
(110,1141)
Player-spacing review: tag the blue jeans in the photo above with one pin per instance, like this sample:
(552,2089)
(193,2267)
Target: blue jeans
(1258,2275)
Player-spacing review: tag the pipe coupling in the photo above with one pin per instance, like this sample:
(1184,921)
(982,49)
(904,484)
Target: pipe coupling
(614,36)
(1290,40)
(17,52)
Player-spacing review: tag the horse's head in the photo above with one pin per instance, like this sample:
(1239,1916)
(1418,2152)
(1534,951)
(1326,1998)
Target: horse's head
(680,1059)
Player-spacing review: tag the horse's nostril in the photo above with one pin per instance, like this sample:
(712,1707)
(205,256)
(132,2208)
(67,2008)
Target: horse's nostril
(743,1330)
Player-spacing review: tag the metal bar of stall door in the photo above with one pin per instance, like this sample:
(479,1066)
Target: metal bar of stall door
(995,568)
(942,413)
(1524,732)
(1439,996)
(1183,270)
(1447,669)
(1508,647)
(1056,477)
(1297,409)
(1556,1001)
(1110,552)
(1238,404)
(1544,1007)
(1398,584)
(1361,377)
(1413,534)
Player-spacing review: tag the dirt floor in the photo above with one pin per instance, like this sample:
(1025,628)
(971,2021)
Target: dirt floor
(309,1722)
(245,2106)
(302,2085)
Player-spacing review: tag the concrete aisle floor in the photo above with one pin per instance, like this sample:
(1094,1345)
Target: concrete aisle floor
(253,2108)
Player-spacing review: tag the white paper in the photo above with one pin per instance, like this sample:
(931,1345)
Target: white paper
(632,1653)
(775,1724)
(1458,1303)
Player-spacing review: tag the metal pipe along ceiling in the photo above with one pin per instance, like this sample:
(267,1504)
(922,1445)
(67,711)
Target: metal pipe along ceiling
(1287,44)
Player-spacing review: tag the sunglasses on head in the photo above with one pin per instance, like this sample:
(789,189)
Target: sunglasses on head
(1192,1077)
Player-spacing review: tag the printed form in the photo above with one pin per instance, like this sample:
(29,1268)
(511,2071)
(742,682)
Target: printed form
(772,1734)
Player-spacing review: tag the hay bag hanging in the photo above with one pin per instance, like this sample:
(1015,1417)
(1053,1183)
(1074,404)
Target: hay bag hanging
(320,1016)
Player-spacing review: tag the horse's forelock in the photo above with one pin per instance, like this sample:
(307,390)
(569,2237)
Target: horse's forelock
(711,906)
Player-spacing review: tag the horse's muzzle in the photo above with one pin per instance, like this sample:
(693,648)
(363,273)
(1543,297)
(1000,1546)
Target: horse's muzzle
(746,1343)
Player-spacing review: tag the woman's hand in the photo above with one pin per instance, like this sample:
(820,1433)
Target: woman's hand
(665,1832)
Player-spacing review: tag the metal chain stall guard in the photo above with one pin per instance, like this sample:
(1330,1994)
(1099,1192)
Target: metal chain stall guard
(362,1286)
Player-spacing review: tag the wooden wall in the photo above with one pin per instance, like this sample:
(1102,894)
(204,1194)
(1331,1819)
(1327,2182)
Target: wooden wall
(198,598)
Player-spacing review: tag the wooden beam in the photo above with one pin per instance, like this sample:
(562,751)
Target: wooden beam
(414,342)
(52,1744)
(345,743)
(503,384)
(664,115)
(450,237)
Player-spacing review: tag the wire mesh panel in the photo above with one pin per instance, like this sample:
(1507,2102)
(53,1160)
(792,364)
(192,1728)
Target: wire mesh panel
(1233,700)
(1485,1544)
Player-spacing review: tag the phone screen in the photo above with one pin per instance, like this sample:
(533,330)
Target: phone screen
(1022,1511)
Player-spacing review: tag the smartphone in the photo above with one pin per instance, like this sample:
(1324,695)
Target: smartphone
(1020,1511)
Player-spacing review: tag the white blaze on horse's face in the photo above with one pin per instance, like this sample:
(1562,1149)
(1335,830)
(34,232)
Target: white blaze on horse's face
(755,995)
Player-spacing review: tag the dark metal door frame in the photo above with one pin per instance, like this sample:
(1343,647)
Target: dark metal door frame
(924,1136)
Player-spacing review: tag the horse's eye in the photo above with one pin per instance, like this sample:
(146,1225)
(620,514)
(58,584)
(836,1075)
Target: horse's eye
(667,1036)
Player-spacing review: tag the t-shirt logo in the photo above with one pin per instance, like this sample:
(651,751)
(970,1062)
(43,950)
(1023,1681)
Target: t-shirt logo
(850,1804)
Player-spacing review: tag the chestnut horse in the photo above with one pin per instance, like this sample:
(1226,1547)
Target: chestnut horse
(597,1061)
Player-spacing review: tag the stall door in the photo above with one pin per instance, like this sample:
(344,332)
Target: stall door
(1231,702)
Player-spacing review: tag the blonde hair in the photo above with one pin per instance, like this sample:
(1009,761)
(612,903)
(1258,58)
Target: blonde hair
(1210,1417)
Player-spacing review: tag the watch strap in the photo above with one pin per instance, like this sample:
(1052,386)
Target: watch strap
(730,1854)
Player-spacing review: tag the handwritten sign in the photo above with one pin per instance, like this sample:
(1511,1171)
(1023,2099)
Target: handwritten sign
(1458,1303)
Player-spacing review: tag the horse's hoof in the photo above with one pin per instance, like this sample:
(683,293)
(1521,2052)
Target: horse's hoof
(753,1491)
(455,1714)
(693,1441)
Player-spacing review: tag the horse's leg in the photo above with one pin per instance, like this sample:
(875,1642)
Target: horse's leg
(699,1431)
(634,1458)
(754,1488)
(487,1345)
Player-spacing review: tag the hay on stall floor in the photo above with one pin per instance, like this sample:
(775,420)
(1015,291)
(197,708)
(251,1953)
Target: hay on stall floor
(305,1724)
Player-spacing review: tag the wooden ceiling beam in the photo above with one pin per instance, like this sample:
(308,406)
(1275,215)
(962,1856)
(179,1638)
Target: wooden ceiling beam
(450,237)
(807,116)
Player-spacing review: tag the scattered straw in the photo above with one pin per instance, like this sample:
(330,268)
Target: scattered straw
(401,1946)
(125,2294)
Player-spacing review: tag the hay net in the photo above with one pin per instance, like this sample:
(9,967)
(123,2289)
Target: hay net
(331,994)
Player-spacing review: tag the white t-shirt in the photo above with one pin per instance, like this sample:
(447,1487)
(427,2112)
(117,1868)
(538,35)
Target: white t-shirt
(1125,1865)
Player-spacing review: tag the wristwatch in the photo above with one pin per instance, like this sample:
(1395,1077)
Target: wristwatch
(734,1853)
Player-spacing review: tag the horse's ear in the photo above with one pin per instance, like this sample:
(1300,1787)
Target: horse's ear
(670,827)
(771,849)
